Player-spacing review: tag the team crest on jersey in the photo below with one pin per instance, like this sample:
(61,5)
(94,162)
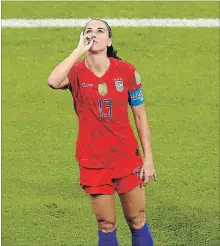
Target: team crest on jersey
(119,86)
(102,89)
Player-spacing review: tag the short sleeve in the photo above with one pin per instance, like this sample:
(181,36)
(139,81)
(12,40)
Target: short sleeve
(134,79)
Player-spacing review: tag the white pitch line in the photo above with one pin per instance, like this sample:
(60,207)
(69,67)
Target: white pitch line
(30,23)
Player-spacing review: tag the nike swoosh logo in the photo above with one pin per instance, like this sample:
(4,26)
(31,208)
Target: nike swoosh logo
(86,85)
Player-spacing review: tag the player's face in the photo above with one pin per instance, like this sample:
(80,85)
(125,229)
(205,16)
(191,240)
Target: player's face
(98,31)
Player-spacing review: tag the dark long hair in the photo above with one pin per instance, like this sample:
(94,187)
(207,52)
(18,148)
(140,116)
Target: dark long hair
(110,50)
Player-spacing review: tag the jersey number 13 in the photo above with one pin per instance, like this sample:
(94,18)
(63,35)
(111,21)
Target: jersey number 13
(105,107)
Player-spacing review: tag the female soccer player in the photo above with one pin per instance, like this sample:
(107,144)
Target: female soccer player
(109,160)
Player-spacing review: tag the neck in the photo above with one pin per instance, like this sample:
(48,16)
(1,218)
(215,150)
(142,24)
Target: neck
(97,63)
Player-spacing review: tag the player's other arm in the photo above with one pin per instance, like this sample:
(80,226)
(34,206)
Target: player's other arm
(136,101)
(58,78)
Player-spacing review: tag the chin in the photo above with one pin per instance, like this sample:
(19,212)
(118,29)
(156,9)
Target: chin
(96,49)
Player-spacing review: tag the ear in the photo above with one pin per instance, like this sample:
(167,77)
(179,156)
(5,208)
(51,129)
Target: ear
(109,42)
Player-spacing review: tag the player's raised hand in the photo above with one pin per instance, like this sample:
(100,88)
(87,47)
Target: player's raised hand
(85,43)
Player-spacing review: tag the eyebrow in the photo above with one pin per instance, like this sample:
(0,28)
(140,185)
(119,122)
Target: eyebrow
(89,28)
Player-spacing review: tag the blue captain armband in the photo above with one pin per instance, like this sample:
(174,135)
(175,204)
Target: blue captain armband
(136,97)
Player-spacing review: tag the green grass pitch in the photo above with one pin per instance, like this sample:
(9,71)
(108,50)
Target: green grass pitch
(42,203)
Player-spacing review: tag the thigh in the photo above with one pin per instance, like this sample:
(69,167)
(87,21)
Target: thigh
(133,203)
(103,207)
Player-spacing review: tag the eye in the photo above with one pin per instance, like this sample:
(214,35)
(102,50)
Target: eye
(88,31)
(100,31)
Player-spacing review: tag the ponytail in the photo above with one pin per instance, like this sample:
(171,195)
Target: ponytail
(112,53)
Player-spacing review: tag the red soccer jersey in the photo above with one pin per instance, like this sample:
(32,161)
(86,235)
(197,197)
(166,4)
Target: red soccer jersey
(105,137)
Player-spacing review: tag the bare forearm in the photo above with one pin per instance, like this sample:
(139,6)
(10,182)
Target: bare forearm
(61,71)
(143,130)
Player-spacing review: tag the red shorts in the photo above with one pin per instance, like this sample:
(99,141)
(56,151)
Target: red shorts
(107,181)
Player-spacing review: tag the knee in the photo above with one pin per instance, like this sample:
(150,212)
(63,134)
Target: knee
(106,225)
(136,221)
